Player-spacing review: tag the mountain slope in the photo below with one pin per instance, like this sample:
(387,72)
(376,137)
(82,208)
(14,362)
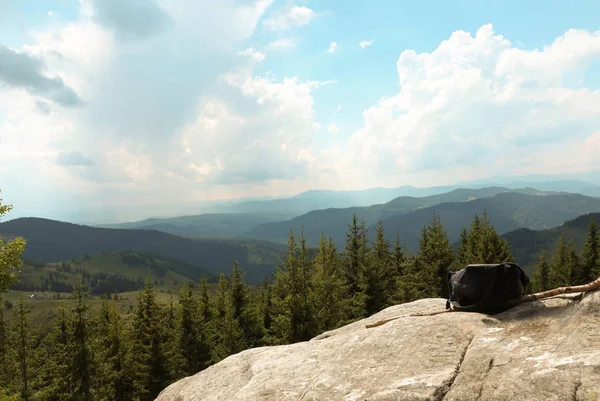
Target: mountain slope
(528,245)
(334,222)
(205,225)
(53,241)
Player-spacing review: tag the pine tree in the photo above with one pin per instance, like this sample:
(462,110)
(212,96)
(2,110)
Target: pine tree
(204,301)
(53,357)
(353,268)
(482,244)
(560,276)
(82,368)
(492,248)
(245,308)
(590,266)
(379,274)
(228,337)
(541,275)
(462,254)
(435,257)
(329,290)
(573,263)
(192,344)
(149,362)
(22,346)
(119,386)
(221,298)
(288,297)
(267,311)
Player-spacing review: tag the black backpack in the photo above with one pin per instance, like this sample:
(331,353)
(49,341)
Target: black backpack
(486,288)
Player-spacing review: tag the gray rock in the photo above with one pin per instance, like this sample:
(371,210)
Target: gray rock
(545,350)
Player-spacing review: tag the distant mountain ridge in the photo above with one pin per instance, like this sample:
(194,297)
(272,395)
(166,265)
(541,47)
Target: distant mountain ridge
(241,224)
(508,210)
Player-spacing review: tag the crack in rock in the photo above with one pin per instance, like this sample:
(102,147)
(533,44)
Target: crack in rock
(490,366)
(441,392)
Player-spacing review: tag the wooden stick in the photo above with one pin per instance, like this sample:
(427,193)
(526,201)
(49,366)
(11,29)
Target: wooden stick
(594,285)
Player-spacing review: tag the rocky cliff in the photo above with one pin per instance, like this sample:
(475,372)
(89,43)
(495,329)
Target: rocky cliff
(544,350)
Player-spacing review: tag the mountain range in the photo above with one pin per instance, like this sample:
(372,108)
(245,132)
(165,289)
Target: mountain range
(508,210)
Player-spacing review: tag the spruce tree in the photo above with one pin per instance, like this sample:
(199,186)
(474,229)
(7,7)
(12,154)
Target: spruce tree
(329,290)
(560,276)
(246,309)
(228,337)
(54,382)
(462,253)
(119,386)
(573,263)
(353,267)
(379,273)
(204,301)
(492,248)
(22,346)
(590,263)
(80,349)
(541,275)
(150,372)
(192,344)
(435,258)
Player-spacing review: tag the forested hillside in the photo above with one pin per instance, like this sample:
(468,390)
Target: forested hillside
(528,245)
(116,354)
(53,241)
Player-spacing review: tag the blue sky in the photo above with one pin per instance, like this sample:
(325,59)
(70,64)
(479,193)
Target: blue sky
(124,109)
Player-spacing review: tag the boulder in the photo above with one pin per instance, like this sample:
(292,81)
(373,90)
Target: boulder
(543,350)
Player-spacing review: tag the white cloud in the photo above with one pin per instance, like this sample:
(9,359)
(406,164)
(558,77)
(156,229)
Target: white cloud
(289,17)
(253,53)
(332,47)
(470,103)
(280,44)
(194,120)
(333,129)
(50,13)
(366,43)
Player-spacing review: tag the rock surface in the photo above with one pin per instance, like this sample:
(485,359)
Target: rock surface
(545,350)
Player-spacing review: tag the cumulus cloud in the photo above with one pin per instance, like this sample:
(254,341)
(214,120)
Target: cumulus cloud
(20,70)
(333,47)
(470,103)
(366,43)
(197,121)
(269,125)
(288,17)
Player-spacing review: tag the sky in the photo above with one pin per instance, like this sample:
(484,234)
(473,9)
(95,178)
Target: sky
(121,109)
